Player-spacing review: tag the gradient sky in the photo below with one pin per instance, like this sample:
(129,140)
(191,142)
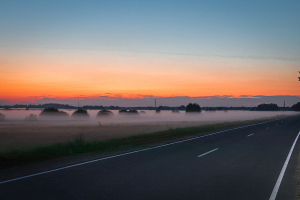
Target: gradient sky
(143,49)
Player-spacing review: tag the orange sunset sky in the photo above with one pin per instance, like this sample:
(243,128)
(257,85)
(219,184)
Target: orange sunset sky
(133,75)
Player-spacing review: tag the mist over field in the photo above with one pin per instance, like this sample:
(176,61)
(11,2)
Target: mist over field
(16,132)
(148,116)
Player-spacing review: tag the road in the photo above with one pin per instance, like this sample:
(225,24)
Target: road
(242,163)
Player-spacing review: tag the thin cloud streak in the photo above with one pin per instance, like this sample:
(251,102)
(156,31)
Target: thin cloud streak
(250,57)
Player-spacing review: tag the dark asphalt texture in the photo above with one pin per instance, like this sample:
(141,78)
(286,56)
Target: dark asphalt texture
(242,168)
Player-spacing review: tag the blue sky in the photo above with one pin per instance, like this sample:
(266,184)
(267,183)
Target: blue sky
(227,28)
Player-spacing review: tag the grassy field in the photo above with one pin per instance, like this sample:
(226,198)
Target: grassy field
(19,157)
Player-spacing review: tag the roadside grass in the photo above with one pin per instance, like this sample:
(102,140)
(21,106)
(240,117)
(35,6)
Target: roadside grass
(19,157)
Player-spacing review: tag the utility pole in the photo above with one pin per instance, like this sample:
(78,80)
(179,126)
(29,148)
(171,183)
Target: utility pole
(78,104)
(155,103)
(283,105)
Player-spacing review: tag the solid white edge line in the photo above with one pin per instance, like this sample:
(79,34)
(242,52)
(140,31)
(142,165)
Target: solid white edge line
(208,152)
(277,185)
(123,154)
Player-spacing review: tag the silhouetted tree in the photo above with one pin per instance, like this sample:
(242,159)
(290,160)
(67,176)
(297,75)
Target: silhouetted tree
(182,107)
(211,109)
(50,109)
(296,107)
(193,107)
(267,107)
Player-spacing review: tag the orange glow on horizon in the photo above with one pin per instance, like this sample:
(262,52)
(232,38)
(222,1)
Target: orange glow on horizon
(33,77)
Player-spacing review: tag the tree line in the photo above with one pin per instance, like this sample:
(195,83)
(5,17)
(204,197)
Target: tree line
(260,107)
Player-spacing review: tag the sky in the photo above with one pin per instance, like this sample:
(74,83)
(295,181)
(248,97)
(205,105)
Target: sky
(103,51)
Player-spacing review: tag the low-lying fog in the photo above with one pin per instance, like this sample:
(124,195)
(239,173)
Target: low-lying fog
(16,132)
(148,117)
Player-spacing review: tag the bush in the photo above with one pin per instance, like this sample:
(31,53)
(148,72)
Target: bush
(296,107)
(31,117)
(2,117)
(193,107)
(267,107)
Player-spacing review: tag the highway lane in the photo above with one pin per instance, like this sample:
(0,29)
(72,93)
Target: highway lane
(238,164)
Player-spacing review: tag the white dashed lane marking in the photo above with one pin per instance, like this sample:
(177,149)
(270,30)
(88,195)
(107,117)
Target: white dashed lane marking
(208,152)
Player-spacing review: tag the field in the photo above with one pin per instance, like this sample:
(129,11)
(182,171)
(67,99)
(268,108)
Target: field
(24,142)
(23,134)
(17,133)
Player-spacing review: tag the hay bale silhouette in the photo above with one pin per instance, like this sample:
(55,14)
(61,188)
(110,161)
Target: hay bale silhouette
(80,113)
(105,113)
(123,111)
(133,112)
(53,113)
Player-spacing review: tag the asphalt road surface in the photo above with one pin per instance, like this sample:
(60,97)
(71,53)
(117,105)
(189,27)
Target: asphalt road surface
(243,163)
